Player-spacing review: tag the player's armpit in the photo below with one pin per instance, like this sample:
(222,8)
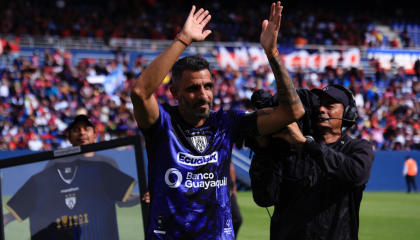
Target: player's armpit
(146,111)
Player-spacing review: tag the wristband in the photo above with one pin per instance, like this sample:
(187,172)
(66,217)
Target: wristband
(186,44)
(270,55)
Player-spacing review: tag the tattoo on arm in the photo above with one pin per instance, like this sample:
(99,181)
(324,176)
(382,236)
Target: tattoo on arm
(285,88)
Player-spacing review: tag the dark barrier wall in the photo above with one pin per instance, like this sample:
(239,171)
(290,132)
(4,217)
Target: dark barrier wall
(386,172)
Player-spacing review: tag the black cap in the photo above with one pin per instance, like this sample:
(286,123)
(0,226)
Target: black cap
(80,118)
(334,92)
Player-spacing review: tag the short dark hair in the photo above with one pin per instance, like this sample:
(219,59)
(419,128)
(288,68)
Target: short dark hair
(194,63)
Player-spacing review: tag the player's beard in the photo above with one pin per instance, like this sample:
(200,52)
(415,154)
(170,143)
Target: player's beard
(190,108)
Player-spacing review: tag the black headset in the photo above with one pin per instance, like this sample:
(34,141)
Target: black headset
(350,112)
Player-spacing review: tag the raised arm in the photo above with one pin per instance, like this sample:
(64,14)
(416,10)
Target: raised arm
(146,110)
(290,107)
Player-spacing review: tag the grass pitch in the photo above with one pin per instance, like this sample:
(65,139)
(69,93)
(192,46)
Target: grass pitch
(383,216)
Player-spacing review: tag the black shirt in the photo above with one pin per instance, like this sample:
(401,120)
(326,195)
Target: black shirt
(316,191)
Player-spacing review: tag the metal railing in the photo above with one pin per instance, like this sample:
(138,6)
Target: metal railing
(129,44)
(155,46)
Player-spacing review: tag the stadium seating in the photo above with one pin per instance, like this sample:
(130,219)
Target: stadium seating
(409,33)
(153,20)
(38,102)
(42,92)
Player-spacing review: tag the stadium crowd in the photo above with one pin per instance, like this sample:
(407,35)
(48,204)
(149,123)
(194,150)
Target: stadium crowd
(156,20)
(39,100)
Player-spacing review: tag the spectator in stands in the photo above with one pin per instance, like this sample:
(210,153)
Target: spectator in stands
(417,68)
(44,99)
(405,39)
(300,41)
(318,26)
(4,88)
(395,43)
(35,144)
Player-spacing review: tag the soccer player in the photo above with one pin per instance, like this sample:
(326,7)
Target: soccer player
(188,145)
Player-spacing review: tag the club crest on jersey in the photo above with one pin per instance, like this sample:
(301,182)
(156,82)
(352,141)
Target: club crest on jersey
(199,143)
(71,200)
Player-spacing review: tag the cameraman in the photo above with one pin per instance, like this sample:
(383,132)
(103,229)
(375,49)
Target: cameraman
(315,183)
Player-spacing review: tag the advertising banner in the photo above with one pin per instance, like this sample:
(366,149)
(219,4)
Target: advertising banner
(401,58)
(316,60)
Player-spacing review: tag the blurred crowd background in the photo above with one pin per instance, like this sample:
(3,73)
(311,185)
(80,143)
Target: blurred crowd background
(303,22)
(38,101)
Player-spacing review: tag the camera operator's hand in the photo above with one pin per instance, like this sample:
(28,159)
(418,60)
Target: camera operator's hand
(292,135)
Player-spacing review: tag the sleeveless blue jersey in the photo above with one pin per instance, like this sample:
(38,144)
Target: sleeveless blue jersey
(188,173)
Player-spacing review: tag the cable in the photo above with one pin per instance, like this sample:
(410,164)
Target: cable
(268,212)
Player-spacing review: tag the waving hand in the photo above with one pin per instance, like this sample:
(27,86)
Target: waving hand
(270,29)
(193,27)
(290,106)
(145,106)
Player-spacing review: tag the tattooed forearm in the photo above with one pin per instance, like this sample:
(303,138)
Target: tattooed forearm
(285,88)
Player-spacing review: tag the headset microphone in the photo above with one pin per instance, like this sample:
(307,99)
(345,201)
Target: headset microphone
(350,109)
(324,119)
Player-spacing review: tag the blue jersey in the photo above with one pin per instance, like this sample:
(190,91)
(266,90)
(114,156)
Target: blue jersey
(72,201)
(188,173)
